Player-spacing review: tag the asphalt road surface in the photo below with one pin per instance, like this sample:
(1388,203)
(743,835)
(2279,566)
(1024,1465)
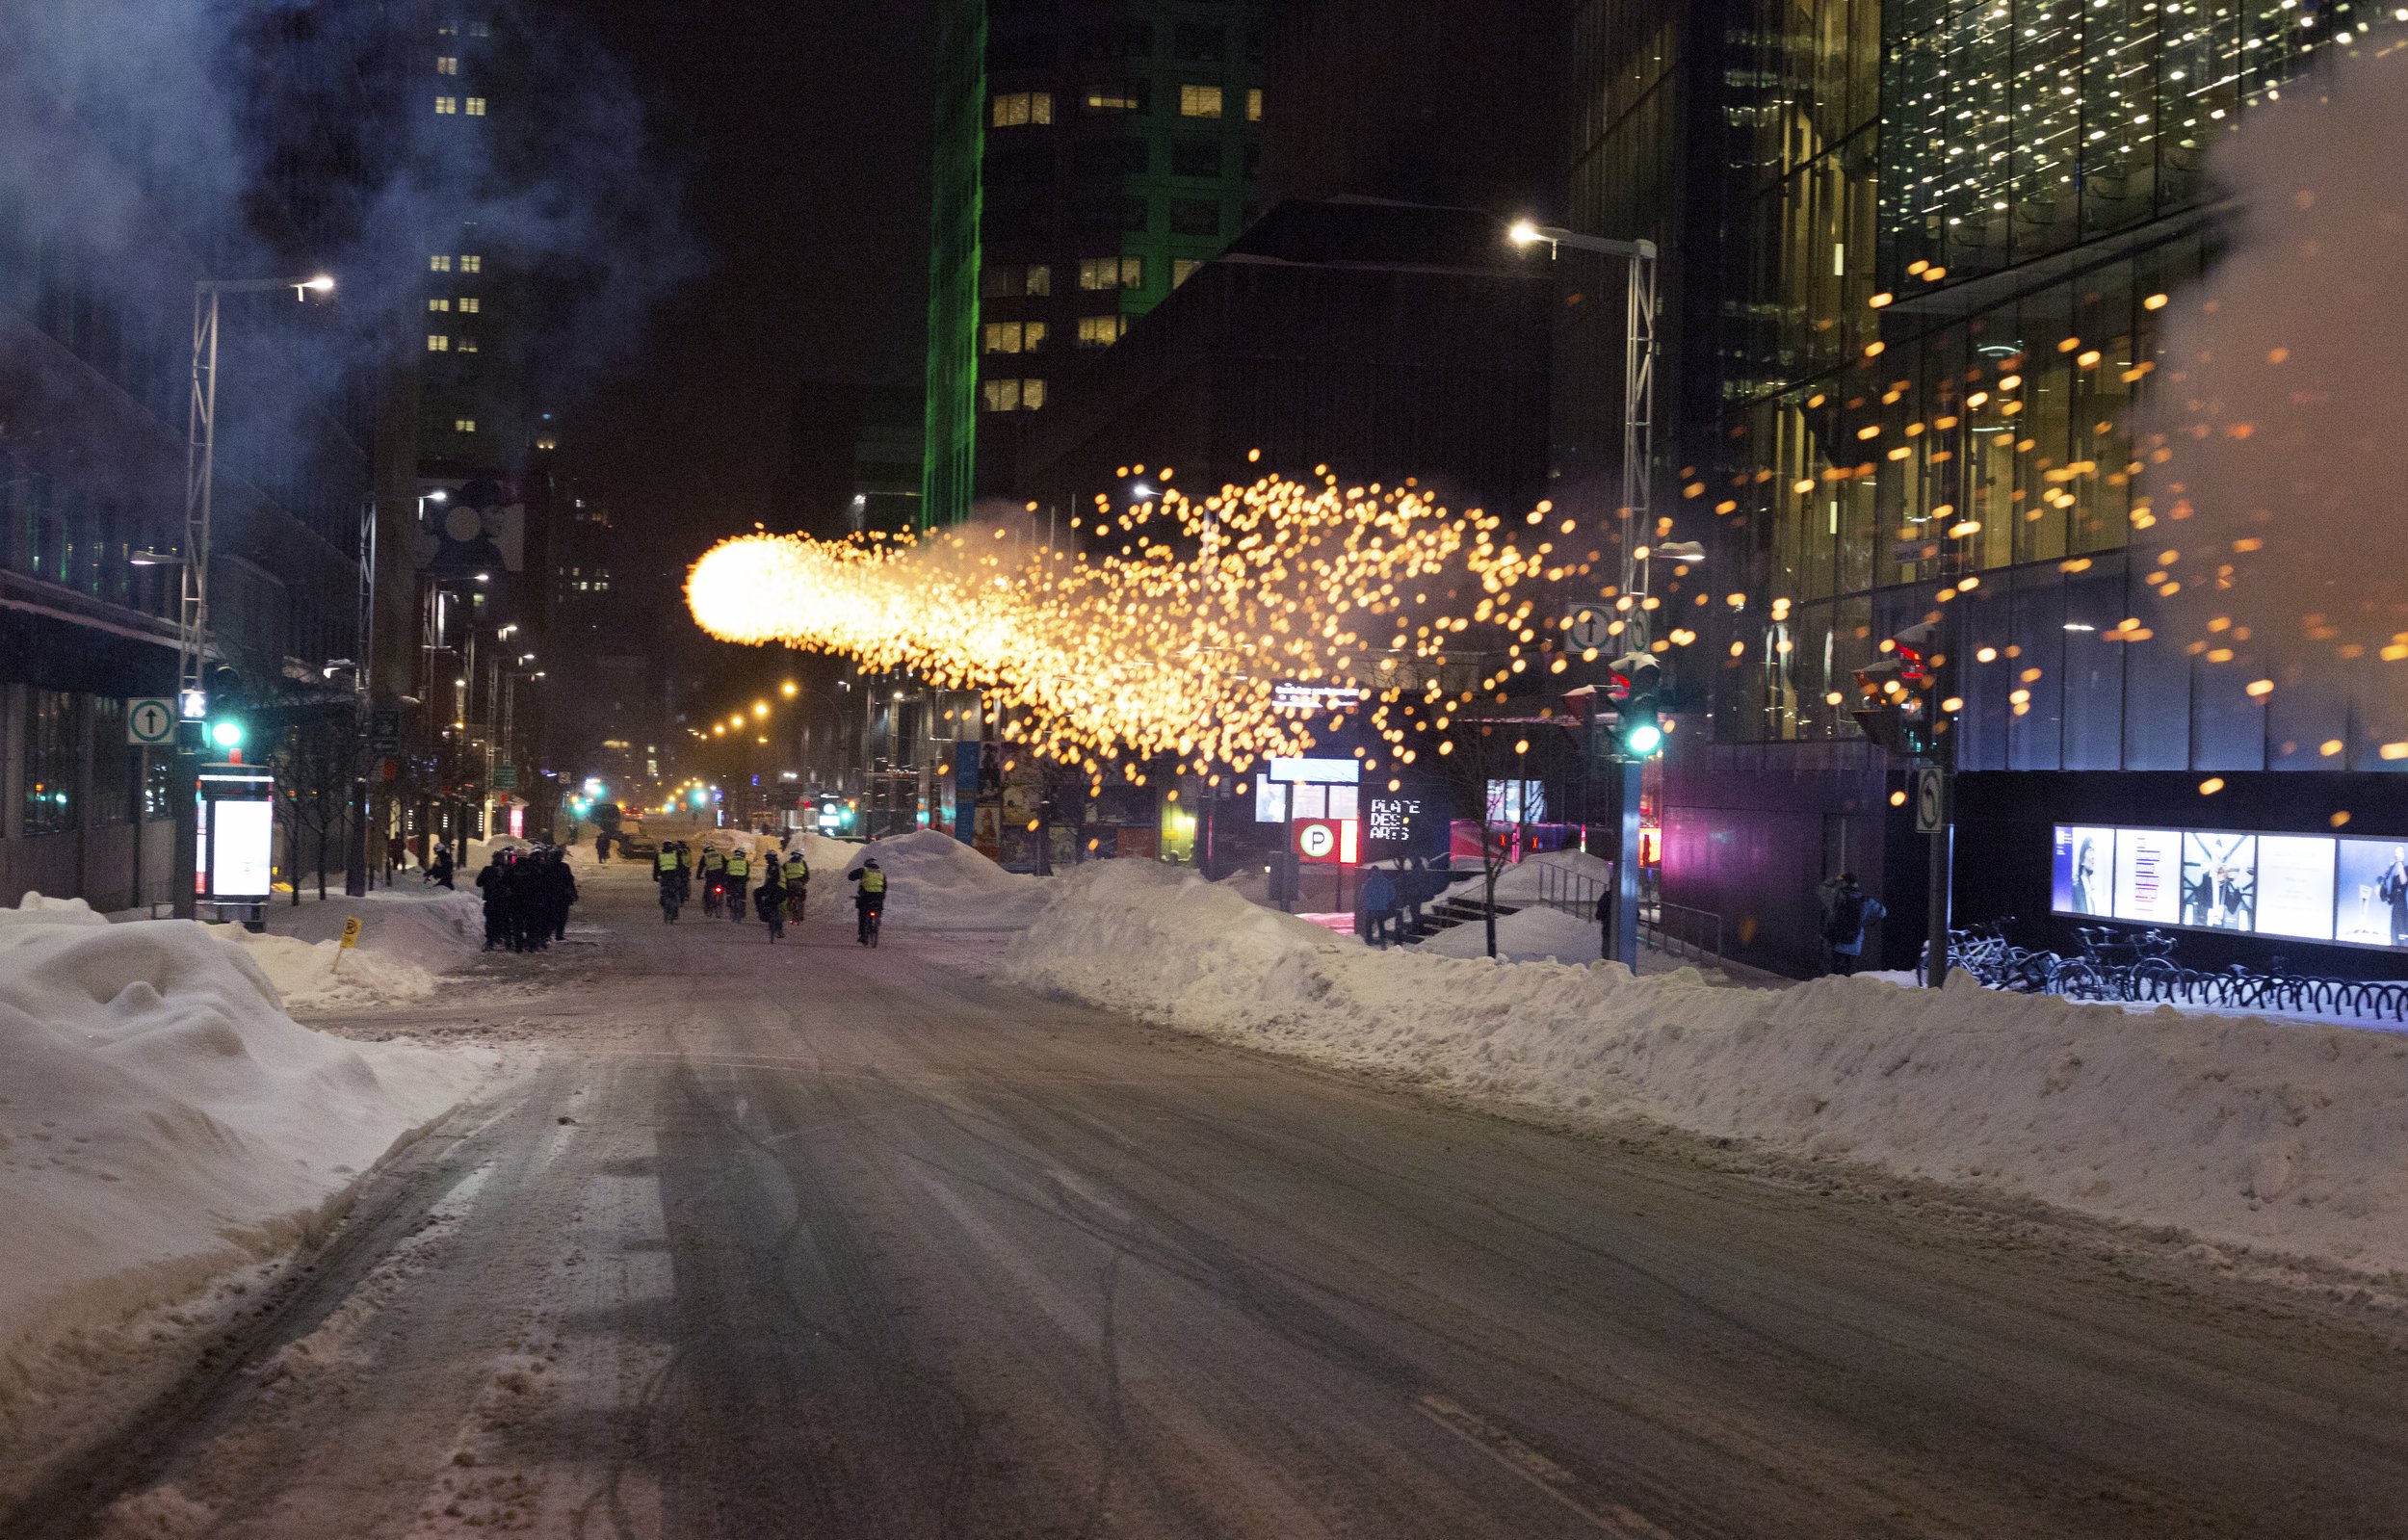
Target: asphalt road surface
(813,1240)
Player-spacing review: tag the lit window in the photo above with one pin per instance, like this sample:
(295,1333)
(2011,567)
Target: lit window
(472,263)
(438,342)
(1111,272)
(439,263)
(1113,99)
(1014,336)
(476,106)
(447,66)
(446,106)
(1040,279)
(464,425)
(1101,331)
(1018,108)
(470,304)
(468,345)
(1013,395)
(1254,105)
(439,304)
(447,28)
(1200,101)
(1182,269)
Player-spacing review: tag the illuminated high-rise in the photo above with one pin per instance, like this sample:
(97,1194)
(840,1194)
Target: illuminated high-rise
(1089,158)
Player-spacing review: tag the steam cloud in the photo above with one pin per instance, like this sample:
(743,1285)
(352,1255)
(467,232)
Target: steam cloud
(2284,410)
(146,141)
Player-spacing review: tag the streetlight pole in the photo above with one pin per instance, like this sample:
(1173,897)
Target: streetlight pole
(1628,772)
(191,631)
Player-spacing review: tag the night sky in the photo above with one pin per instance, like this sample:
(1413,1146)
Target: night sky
(800,133)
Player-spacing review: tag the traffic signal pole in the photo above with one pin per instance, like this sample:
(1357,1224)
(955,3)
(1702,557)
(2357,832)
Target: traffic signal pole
(1622,934)
(1936,908)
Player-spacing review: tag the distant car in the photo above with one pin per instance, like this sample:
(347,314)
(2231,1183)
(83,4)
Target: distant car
(634,842)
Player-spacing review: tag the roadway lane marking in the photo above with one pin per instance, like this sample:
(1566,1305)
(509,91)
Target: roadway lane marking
(1604,1515)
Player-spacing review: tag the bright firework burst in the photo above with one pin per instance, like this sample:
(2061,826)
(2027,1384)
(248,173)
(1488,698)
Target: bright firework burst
(1174,636)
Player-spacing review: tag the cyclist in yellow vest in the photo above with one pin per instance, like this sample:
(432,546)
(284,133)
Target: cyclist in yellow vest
(714,878)
(870,901)
(739,878)
(798,879)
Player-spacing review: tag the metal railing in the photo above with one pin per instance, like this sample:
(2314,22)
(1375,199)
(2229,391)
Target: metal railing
(1680,932)
(1692,935)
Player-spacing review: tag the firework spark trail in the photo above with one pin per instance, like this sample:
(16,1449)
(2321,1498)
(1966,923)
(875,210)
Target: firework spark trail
(1173,640)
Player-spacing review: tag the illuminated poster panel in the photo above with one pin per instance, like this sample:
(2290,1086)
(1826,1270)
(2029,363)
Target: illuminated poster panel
(2370,893)
(241,837)
(2304,886)
(2149,875)
(2220,881)
(2084,873)
(2295,886)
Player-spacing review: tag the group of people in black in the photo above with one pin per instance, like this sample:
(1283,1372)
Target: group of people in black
(527,892)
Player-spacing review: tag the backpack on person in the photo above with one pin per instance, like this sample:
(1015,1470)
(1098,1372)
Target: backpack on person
(1847,920)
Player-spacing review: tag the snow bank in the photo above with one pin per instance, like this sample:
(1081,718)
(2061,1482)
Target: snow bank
(2281,1137)
(161,1120)
(321,976)
(1529,936)
(411,935)
(934,880)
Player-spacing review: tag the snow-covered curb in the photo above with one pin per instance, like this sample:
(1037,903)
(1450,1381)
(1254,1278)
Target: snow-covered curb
(163,1120)
(2285,1138)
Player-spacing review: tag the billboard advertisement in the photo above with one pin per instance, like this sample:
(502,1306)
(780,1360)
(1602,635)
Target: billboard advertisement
(2303,887)
(2084,873)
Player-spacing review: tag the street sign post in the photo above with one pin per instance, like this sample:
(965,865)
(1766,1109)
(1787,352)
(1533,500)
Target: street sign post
(151,721)
(1931,799)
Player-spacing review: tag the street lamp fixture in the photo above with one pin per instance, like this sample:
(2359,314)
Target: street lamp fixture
(155,559)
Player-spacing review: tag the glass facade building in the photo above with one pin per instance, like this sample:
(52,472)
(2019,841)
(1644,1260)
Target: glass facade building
(1918,251)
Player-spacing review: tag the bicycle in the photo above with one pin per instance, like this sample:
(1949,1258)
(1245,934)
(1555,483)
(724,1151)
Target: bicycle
(870,919)
(795,898)
(711,894)
(775,920)
(671,901)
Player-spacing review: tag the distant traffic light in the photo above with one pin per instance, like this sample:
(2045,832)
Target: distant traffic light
(1897,696)
(225,733)
(1635,685)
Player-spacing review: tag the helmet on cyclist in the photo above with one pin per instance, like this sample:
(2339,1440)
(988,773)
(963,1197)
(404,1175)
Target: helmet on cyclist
(870,865)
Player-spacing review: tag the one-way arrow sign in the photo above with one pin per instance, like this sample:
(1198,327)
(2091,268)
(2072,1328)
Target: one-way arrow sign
(149,722)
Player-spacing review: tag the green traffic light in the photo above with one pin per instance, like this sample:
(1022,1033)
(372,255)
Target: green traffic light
(1642,738)
(226,734)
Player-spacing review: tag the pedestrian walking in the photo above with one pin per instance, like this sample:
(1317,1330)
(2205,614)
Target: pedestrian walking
(1846,910)
(1376,906)
(493,886)
(559,886)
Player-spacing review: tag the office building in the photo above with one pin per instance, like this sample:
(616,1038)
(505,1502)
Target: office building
(1089,158)
(1917,257)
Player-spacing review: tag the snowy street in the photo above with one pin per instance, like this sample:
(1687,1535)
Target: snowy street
(809,1239)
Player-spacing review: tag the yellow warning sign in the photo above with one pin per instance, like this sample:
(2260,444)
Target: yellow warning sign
(350,932)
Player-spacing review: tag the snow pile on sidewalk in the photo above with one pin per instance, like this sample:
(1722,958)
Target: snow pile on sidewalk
(2287,1138)
(321,976)
(1529,936)
(411,935)
(933,880)
(161,1120)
